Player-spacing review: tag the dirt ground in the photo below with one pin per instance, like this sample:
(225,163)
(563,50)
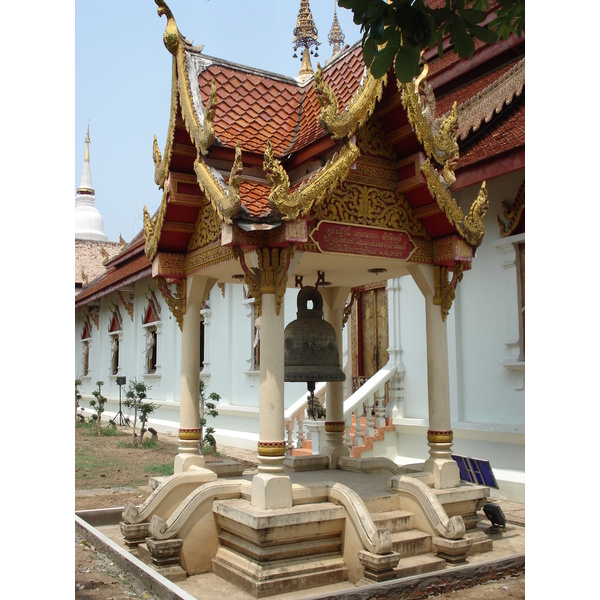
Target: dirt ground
(110,473)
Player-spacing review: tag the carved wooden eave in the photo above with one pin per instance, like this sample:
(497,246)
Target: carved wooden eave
(311,192)
(177,300)
(482,106)
(438,137)
(345,123)
(512,213)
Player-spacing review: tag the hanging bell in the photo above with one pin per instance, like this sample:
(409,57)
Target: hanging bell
(310,345)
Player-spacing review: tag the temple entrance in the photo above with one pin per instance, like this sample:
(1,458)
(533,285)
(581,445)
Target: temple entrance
(369,332)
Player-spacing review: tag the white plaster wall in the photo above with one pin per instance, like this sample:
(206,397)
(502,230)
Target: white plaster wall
(486,315)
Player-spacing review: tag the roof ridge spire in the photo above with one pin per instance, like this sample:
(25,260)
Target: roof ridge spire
(336,35)
(306,35)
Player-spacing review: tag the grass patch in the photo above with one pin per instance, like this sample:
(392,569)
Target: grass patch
(158,469)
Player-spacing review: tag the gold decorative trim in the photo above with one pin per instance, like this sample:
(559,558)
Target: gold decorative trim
(94,314)
(335,426)
(440,437)
(437,135)
(270,277)
(226,200)
(202,134)
(153,225)
(128,305)
(161,164)
(271,448)
(482,106)
(310,192)
(471,227)
(344,123)
(189,434)
(512,213)
(445,290)
(177,302)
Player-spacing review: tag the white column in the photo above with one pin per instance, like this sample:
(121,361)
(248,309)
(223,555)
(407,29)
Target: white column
(189,394)
(394,408)
(271,445)
(334,302)
(439,435)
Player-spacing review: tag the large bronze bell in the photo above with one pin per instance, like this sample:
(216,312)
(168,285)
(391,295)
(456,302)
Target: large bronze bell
(311,350)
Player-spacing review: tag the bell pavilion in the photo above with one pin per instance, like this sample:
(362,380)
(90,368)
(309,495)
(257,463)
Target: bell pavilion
(346,185)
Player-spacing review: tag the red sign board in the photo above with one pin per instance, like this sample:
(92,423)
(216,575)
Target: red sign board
(363,241)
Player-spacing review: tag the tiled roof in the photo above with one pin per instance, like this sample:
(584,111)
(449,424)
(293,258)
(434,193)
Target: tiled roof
(256,106)
(500,136)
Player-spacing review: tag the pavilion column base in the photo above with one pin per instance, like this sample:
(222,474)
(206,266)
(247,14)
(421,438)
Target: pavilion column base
(446,473)
(270,491)
(189,454)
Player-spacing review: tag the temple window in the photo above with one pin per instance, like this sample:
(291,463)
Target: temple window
(86,340)
(114,332)
(151,327)
(253,340)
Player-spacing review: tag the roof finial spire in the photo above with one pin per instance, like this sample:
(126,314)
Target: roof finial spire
(305,36)
(336,35)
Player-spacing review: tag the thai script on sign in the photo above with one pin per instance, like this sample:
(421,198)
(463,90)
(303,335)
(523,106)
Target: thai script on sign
(366,241)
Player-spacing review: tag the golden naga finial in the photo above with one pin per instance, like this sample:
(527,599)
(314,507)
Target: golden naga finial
(313,190)
(226,201)
(437,135)
(171,34)
(344,124)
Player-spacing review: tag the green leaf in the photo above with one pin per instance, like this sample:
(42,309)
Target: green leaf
(484,34)
(471,15)
(406,64)
(369,51)
(382,63)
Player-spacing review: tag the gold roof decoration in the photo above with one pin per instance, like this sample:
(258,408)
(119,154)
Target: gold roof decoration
(225,199)
(482,106)
(306,35)
(471,227)
(202,133)
(512,213)
(336,36)
(153,225)
(292,204)
(438,136)
(344,123)
(161,163)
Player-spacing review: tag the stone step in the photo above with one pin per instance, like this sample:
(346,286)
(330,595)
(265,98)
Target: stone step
(417,565)
(394,520)
(411,543)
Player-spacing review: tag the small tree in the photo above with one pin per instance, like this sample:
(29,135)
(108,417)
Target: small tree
(77,396)
(98,405)
(207,409)
(135,398)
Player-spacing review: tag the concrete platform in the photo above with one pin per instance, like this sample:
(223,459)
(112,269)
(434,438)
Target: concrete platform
(509,543)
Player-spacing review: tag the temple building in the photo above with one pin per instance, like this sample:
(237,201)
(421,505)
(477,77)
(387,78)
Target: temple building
(401,205)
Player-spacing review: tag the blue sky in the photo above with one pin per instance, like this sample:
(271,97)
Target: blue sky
(123,78)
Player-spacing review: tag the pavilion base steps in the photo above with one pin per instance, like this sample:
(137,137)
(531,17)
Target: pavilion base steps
(267,553)
(414,547)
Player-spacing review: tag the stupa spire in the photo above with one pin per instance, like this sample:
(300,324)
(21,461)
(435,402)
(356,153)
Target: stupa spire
(336,35)
(89,224)
(85,186)
(305,37)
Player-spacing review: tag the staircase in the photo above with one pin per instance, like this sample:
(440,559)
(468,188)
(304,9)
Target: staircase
(414,546)
(355,450)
